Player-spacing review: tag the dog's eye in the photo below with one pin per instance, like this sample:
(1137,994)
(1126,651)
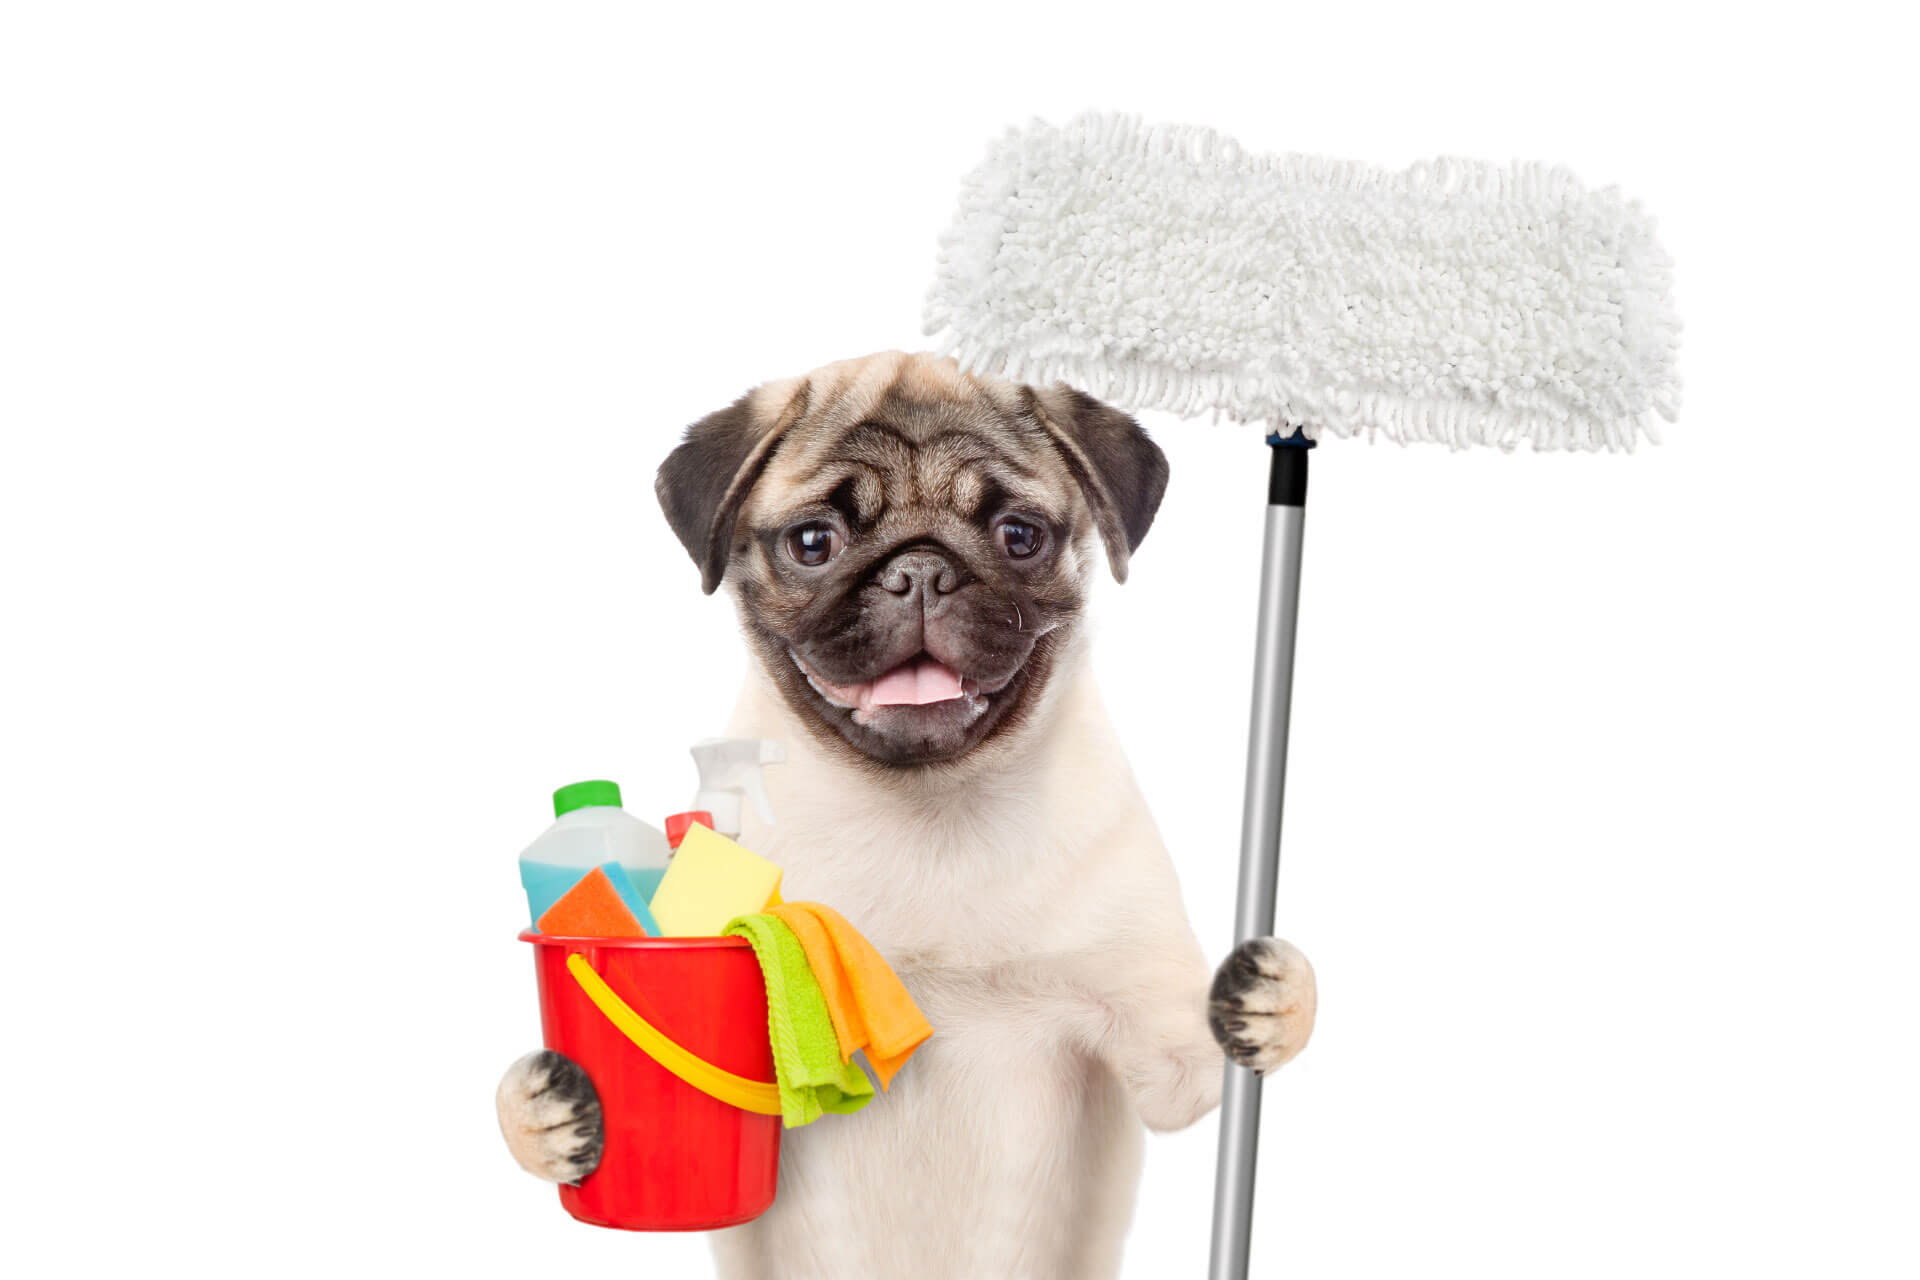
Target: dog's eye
(813,544)
(1019,539)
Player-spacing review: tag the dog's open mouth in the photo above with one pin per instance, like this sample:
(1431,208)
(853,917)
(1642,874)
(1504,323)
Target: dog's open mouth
(922,684)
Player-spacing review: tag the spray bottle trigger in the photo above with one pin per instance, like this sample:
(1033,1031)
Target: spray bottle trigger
(730,776)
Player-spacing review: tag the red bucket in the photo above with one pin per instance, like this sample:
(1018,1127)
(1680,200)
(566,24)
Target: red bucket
(677,1158)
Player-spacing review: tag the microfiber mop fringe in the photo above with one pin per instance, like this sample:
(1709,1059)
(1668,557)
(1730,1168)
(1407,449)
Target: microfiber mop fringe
(1456,301)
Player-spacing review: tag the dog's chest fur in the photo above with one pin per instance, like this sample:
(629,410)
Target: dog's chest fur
(1005,1148)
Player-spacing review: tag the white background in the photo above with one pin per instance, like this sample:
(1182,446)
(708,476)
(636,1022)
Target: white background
(338,346)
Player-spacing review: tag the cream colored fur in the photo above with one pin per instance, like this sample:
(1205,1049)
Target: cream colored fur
(1025,898)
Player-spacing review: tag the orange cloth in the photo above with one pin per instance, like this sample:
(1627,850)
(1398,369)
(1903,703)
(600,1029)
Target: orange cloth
(869,1007)
(591,909)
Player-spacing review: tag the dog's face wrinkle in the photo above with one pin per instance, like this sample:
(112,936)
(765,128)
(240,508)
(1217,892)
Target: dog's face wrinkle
(913,470)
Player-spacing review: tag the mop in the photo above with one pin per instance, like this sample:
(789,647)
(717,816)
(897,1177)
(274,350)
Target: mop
(1456,302)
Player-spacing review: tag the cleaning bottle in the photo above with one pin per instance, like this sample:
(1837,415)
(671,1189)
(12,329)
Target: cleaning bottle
(730,774)
(590,830)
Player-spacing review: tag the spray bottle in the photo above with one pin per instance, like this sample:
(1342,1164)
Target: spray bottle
(729,777)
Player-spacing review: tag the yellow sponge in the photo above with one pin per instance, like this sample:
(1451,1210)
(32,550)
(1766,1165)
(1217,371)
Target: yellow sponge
(709,882)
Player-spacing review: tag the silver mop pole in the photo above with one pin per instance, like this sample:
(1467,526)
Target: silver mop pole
(1260,832)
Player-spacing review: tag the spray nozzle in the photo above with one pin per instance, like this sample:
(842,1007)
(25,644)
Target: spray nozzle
(729,772)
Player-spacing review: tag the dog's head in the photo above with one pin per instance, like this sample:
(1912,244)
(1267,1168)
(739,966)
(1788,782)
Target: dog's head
(909,545)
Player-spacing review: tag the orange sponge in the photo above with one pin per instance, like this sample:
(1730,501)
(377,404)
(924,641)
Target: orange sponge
(591,909)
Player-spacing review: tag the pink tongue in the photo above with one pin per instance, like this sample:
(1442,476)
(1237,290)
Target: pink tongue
(916,683)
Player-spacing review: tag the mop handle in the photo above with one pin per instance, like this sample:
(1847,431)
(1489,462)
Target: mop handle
(1260,832)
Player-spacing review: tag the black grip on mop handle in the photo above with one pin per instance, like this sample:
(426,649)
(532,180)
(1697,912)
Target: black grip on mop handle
(1287,480)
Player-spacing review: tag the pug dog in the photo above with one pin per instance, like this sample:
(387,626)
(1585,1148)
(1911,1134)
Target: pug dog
(910,548)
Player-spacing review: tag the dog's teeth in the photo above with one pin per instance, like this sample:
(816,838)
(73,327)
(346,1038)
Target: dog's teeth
(814,681)
(827,695)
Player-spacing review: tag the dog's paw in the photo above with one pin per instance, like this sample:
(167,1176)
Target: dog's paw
(1262,1004)
(550,1114)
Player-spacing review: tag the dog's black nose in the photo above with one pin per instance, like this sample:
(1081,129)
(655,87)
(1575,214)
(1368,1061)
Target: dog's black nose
(922,573)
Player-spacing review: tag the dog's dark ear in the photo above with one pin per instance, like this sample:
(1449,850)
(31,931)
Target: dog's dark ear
(1122,472)
(704,481)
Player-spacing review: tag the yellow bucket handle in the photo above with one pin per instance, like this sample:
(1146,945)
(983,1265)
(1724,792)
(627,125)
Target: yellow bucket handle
(758,1096)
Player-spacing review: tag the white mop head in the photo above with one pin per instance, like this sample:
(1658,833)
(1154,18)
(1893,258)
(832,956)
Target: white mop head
(1455,301)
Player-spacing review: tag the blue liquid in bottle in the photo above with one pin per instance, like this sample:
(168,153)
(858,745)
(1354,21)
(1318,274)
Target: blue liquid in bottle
(547,883)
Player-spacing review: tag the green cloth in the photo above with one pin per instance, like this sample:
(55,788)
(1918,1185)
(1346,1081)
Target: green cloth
(806,1053)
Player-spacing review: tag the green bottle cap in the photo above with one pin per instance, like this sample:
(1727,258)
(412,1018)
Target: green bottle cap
(585,795)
